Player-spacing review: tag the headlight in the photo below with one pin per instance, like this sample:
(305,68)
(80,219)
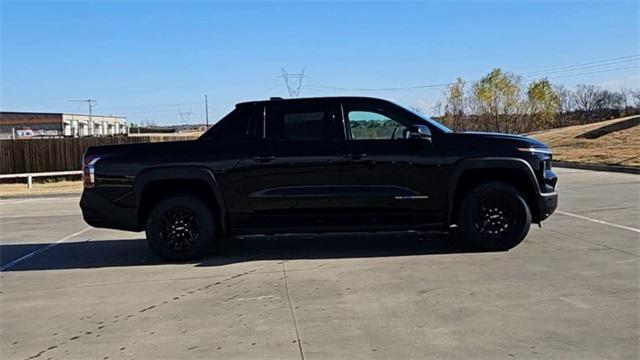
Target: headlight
(533,150)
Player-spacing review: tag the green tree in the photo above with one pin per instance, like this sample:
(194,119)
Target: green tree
(543,101)
(454,107)
(496,96)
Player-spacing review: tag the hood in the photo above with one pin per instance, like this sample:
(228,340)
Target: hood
(517,139)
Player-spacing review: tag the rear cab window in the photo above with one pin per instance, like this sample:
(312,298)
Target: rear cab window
(242,124)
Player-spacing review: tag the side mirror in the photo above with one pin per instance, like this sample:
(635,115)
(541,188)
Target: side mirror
(419,132)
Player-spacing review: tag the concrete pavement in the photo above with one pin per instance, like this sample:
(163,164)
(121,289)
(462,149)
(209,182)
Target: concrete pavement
(571,290)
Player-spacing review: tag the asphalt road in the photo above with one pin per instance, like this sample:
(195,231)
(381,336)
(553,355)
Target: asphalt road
(570,291)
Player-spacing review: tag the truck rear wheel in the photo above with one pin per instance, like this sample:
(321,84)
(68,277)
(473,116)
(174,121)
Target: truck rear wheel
(494,216)
(181,227)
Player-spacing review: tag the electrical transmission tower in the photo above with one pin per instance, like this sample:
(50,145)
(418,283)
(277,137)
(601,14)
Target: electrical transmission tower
(185,116)
(293,82)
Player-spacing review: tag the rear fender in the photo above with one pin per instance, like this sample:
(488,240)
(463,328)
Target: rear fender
(183,173)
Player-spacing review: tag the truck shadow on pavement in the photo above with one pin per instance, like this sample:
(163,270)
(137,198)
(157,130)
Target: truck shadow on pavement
(135,252)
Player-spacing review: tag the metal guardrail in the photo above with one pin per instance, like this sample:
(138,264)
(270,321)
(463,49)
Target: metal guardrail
(30,176)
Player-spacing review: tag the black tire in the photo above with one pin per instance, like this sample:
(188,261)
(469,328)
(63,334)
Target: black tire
(494,216)
(181,227)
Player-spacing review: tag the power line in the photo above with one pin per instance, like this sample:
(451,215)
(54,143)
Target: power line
(621,59)
(581,68)
(557,70)
(272,88)
(597,72)
(165,105)
(159,111)
(416,87)
(156,106)
(91,102)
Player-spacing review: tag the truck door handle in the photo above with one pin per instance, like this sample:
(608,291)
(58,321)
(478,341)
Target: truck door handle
(355,156)
(263,159)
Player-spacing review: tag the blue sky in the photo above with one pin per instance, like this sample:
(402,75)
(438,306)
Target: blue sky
(151,61)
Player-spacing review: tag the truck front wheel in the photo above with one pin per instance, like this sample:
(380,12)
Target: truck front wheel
(494,216)
(181,227)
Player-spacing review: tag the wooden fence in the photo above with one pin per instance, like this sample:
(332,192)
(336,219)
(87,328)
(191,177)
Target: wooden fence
(63,154)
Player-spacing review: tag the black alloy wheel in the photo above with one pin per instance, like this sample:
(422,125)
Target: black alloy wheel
(181,227)
(493,215)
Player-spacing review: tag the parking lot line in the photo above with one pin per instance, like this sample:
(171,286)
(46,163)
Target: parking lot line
(42,249)
(598,221)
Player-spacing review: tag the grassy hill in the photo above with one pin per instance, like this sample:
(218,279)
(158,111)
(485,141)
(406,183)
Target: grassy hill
(614,142)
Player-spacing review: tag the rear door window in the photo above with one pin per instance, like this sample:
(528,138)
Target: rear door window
(301,121)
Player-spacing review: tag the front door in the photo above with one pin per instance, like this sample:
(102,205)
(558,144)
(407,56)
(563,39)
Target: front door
(292,180)
(392,179)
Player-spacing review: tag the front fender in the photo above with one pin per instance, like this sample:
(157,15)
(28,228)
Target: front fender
(491,164)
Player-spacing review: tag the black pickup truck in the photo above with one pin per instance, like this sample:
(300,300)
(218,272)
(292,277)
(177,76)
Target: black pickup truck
(319,165)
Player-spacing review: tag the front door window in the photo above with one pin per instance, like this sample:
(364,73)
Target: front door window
(369,125)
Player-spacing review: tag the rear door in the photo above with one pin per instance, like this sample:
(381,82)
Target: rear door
(293,179)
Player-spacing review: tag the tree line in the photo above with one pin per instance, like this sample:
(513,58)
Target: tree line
(501,102)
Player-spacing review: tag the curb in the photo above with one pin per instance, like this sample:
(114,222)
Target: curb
(46,195)
(598,167)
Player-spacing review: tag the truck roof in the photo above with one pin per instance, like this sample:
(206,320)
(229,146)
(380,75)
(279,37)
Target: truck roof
(274,99)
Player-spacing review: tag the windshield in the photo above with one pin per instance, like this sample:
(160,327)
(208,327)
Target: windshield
(430,121)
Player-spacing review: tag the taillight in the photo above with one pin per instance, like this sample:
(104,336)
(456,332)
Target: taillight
(89,171)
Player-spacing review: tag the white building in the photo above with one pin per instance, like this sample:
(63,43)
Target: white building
(59,124)
(96,125)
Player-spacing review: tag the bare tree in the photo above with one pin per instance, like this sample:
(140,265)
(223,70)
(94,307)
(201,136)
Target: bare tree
(437,108)
(635,97)
(586,97)
(627,94)
(589,101)
(565,103)
(612,100)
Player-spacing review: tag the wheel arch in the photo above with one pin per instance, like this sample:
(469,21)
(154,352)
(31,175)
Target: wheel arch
(153,184)
(514,171)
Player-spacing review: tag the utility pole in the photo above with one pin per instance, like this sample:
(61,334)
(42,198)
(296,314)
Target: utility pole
(91,104)
(206,110)
(293,81)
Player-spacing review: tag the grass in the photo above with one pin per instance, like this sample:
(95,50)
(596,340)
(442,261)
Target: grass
(59,187)
(617,147)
